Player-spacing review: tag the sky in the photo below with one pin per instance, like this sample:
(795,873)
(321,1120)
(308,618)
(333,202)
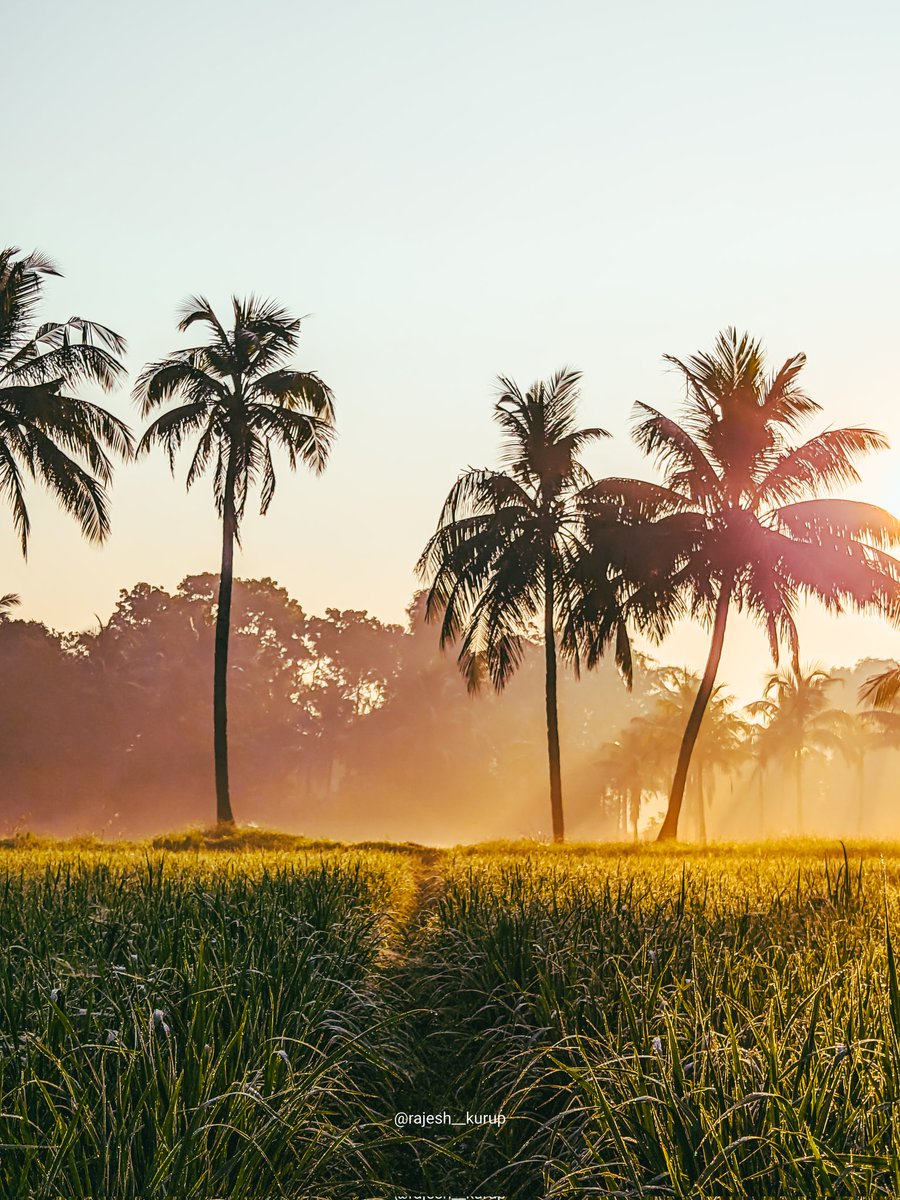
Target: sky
(448,193)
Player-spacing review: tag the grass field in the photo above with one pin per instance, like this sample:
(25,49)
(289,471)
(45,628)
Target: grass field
(248,1021)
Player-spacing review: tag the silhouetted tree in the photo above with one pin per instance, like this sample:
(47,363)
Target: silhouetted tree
(240,401)
(45,431)
(798,722)
(722,742)
(738,520)
(503,557)
(628,769)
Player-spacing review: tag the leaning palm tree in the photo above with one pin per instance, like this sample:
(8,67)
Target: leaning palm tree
(504,556)
(240,400)
(743,521)
(45,431)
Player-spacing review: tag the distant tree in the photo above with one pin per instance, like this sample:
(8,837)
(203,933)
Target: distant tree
(742,523)
(872,731)
(721,746)
(799,722)
(502,561)
(240,401)
(878,727)
(629,769)
(45,431)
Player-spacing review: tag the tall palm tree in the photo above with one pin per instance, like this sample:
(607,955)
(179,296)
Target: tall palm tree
(504,555)
(45,431)
(798,723)
(240,399)
(743,522)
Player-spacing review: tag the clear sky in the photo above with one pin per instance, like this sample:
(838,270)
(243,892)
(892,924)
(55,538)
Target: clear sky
(451,192)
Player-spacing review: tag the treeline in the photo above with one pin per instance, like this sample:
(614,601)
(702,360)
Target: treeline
(339,725)
(344,726)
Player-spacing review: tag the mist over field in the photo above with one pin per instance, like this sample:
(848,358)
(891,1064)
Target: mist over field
(345,727)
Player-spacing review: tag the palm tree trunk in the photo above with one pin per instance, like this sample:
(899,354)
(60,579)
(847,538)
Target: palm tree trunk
(224,815)
(669,829)
(556,808)
(798,781)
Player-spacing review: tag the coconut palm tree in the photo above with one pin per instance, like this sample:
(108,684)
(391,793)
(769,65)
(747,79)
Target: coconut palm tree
(742,519)
(878,728)
(633,766)
(798,723)
(502,562)
(873,731)
(628,768)
(45,431)
(721,746)
(240,401)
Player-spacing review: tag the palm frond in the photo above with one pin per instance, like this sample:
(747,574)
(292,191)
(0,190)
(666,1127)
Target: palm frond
(76,491)
(684,465)
(881,690)
(826,460)
(830,520)
(177,375)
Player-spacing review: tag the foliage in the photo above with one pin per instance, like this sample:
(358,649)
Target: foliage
(45,432)
(241,400)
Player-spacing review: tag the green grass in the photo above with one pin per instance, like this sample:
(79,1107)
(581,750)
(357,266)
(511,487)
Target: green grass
(243,1019)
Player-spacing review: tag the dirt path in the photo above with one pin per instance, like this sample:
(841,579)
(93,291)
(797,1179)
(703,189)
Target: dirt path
(407,919)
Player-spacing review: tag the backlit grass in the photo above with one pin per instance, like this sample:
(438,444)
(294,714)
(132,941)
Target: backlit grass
(245,1022)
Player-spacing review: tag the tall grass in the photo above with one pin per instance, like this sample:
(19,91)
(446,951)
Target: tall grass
(188,1027)
(663,1026)
(246,1024)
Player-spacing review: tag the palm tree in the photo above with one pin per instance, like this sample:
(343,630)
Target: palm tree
(878,727)
(743,522)
(45,431)
(721,746)
(240,400)
(798,723)
(873,731)
(632,767)
(505,552)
